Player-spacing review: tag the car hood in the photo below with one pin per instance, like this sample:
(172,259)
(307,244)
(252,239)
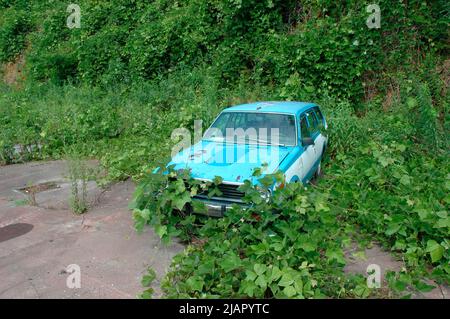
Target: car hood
(233,162)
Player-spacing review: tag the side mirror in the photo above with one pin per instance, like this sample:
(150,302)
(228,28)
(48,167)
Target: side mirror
(306,141)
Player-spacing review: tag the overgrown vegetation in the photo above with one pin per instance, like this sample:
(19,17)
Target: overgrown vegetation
(116,88)
(78,176)
(379,184)
(288,247)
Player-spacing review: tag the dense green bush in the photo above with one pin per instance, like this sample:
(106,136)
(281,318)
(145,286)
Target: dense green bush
(15,24)
(316,45)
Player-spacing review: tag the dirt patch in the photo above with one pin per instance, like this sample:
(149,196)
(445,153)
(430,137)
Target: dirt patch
(13,71)
(392,95)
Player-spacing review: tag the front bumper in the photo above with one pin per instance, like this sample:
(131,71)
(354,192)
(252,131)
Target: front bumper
(216,207)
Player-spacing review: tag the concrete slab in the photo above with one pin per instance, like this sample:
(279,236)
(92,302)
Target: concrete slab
(111,255)
(358,260)
(13,177)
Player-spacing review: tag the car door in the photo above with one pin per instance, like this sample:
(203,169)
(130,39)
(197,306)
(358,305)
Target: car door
(308,155)
(321,139)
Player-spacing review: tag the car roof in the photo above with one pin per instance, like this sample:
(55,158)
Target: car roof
(272,107)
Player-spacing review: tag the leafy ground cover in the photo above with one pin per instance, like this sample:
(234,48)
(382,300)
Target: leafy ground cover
(379,186)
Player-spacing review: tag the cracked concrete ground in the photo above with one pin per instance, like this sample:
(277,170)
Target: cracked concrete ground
(111,255)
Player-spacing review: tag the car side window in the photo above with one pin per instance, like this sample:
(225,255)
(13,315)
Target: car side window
(319,117)
(304,127)
(312,121)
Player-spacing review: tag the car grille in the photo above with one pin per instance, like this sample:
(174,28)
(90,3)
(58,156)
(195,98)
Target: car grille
(230,191)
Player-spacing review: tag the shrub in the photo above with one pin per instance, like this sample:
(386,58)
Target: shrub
(13,31)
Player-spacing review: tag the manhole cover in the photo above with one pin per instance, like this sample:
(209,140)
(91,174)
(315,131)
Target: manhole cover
(14,230)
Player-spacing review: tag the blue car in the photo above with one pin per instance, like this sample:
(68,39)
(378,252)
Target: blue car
(278,136)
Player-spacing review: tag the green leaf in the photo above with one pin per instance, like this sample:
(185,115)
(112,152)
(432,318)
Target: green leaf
(140,217)
(298,285)
(423,287)
(336,254)
(255,197)
(435,250)
(423,214)
(161,230)
(320,205)
(307,245)
(442,214)
(195,283)
(261,282)
(217,180)
(383,161)
(148,278)
(411,102)
(199,207)
(275,274)
(289,291)
(179,186)
(399,285)
(181,200)
(248,288)
(250,275)
(442,223)
(362,291)
(260,269)
(361,255)
(405,180)
(230,262)
(286,280)
(392,228)
(146,294)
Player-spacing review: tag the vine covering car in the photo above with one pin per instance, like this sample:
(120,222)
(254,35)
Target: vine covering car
(279,136)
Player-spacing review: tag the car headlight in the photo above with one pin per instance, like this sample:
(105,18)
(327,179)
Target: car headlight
(266,195)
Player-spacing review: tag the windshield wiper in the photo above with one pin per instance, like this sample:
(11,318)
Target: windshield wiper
(266,142)
(259,141)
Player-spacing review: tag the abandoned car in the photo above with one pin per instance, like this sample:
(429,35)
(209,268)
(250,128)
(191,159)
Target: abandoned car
(280,136)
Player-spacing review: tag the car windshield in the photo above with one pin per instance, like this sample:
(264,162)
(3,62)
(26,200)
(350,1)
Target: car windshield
(253,128)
